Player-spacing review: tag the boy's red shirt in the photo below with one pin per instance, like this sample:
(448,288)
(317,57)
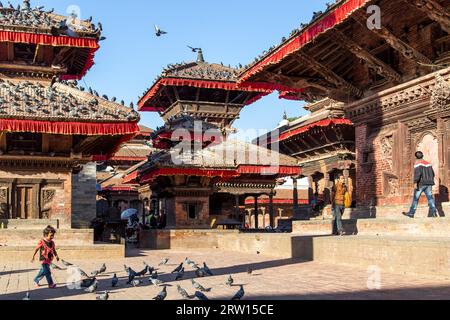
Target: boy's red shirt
(47,250)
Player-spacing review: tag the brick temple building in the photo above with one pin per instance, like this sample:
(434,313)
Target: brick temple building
(199,102)
(52,130)
(392,81)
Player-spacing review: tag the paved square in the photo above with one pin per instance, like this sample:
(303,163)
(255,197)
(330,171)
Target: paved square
(271,279)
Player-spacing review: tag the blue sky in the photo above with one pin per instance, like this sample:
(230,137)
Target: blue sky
(231,31)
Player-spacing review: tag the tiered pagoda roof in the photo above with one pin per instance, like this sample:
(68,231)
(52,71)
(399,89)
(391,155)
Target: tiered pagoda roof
(214,78)
(226,161)
(39,52)
(47,43)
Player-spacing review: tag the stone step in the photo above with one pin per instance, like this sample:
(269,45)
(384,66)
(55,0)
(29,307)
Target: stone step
(31,237)
(27,224)
(410,255)
(100,252)
(436,227)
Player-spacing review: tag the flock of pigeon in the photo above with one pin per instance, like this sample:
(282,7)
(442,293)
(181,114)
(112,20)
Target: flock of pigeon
(26,16)
(89,283)
(32,98)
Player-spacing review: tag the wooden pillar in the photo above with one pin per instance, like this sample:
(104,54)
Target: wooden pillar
(237,210)
(295,197)
(256,213)
(271,212)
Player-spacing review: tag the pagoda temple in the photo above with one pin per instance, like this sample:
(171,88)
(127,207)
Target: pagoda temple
(324,143)
(392,80)
(52,130)
(200,177)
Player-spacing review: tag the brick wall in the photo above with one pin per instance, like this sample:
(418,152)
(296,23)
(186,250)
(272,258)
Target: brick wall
(84,196)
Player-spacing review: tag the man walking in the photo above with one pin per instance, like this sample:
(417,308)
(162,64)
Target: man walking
(424,179)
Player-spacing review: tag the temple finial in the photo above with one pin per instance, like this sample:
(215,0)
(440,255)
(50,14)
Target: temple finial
(285,116)
(200,57)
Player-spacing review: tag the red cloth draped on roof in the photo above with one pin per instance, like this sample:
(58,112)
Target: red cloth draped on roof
(323,123)
(69,128)
(270,170)
(334,17)
(188,172)
(56,41)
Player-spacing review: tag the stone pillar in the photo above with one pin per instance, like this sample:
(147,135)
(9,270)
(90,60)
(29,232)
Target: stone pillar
(263,211)
(84,196)
(256,213)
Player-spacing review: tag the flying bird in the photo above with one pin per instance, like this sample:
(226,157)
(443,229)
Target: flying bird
(194,49)
(158,31)
(67,264)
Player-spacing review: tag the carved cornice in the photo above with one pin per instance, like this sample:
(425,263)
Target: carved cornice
(394,99)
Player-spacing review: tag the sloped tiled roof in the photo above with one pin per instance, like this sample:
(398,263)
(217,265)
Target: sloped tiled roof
(202,71)
(28,100)
(36,20)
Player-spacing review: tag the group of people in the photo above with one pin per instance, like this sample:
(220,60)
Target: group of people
(424,179)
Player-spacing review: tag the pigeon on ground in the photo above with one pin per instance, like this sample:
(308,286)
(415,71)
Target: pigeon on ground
(136,283)
(154,275)
(104,296)
(200,296)
(230,281)
(142,273)
(164,262)
(155,282)
(183,292)
(87,283)
(92,288)
(178,269)
(200,273)
(27,297)
(207,270)
(114,281)
(198,286)
(162,295)
(102,269)
(239,295)
(189,261)
(249,270)
(180,275)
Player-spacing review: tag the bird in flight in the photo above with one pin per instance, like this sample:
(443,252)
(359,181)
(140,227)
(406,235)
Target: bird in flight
(194,49)
(159,32)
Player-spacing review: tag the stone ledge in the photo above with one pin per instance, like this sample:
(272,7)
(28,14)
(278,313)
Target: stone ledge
(29,224)
(87,252)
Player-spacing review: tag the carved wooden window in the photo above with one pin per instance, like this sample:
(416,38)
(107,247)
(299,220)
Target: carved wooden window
(192,211)
(25,51)
(28,142)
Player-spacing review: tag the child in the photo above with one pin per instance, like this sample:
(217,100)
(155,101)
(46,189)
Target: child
(47,251)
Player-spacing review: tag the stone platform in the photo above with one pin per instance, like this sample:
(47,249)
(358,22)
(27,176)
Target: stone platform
(433,227)
(19,238)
